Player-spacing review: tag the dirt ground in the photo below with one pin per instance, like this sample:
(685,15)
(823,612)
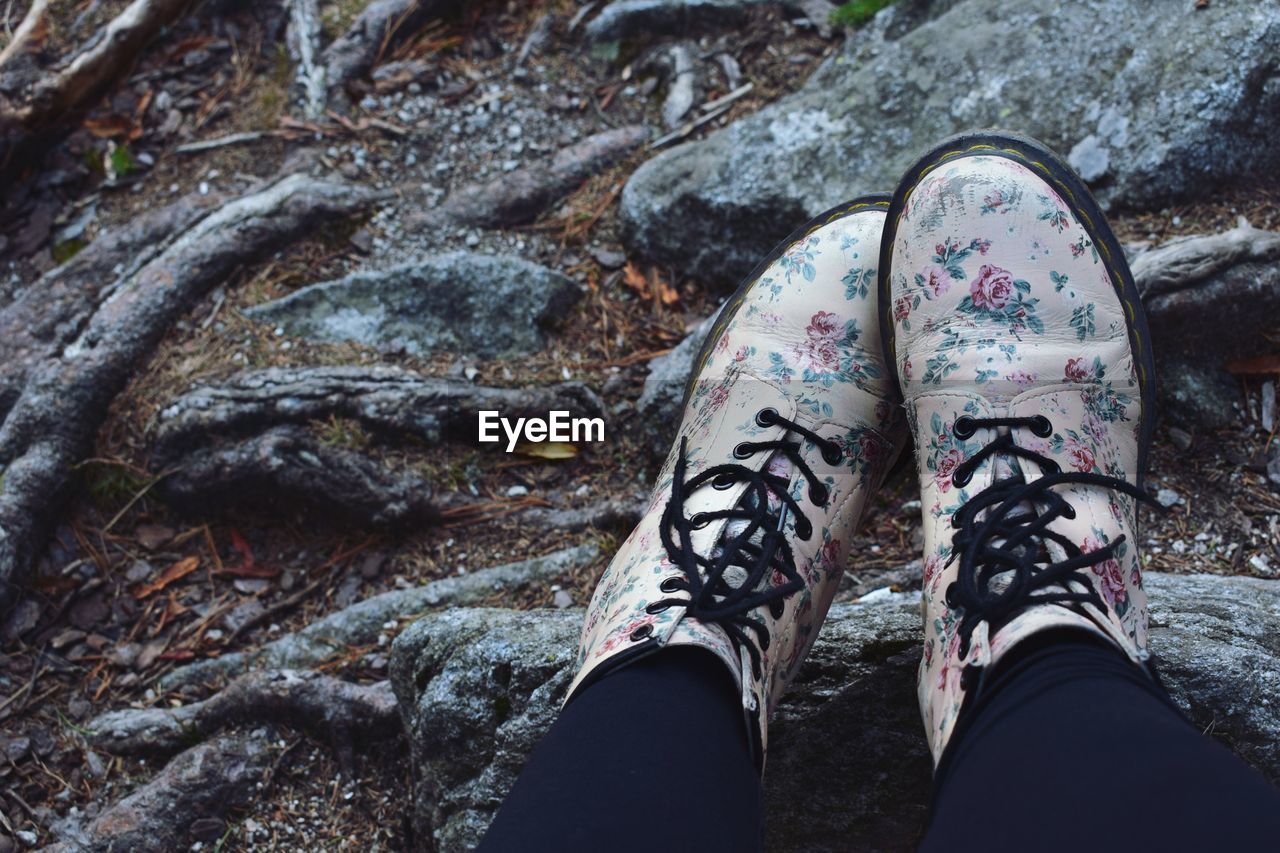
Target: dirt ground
(96,590)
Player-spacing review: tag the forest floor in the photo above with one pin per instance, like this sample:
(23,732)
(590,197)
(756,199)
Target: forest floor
(102,621)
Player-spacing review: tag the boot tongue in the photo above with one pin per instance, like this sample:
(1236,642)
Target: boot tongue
(778,465)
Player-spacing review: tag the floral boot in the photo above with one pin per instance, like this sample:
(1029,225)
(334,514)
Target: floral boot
(1013,327)
(788,427)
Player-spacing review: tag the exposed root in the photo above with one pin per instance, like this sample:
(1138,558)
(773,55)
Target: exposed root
(523,194)
(361,623)
(206,781)
(286,465)
(343,714)
(384,399)
(52,423)
(1186,261)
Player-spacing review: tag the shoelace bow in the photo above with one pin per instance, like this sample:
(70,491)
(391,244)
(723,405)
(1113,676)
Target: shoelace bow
(712,596)
(1011,537)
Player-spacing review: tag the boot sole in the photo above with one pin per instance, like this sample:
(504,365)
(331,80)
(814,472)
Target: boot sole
(871,201)
(1055,171)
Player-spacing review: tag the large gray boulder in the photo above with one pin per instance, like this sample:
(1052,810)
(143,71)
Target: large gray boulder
(1151,99)
(477,688)
(483,305)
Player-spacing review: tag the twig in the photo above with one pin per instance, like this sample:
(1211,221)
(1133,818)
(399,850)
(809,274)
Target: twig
(737,93)
(276,609)
(29,24)
(221,141)
(688,128)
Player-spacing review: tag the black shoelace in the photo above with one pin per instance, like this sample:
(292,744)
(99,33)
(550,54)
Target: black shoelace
(760,548)
(1009,541)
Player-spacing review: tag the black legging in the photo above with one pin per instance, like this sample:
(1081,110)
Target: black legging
(1071,749)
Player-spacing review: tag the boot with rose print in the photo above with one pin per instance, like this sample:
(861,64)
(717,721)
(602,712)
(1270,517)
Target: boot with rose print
(1012,325)
(787,428)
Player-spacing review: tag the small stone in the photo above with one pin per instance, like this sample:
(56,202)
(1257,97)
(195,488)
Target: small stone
(66,638)
(1260,564)
(138,571)
(124,654)
(252,586)
(1268,413)
(1273,469)
(1168,498)
(23,618)
(517,491)
(562,599)
(1180,437)
(371,565)
(16,748)
(153,536)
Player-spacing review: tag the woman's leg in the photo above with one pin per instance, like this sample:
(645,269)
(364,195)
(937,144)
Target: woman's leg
(1072,747)
(653,755)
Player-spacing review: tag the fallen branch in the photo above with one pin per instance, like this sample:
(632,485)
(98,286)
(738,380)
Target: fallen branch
(1186,261)
(361,623)
(52,424)
(689,127)
(304,49)
(206,781)
(385,399)
(521,195)
(52,98)
(343,714)
(31,23)
(222,141)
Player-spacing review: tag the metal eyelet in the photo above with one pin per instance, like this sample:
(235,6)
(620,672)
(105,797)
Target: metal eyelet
(643,632)
(723,481)
(767,417)
(818,493)
(804,529)
(961,477)
(1051,467)
(1042,427)
(670,585)
(655,608)
(743,450)
(964,427)
(832,454)
(1068,511)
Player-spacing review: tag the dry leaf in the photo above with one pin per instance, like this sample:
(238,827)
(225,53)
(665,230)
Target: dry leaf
(176,572)
(634,279)
(667,294)
(548,449)
(248,567)
(108,127)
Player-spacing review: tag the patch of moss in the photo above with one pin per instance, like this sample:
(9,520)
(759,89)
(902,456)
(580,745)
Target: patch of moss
(855,13)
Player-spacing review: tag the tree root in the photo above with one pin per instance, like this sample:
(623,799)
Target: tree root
(341,713)
(361,623)
(1187,261)
(383,25)
(206,781)
(521,195)
(384,399)
(52,423)
(287,465)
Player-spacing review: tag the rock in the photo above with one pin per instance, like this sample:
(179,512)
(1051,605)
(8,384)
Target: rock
(1168,498)
(485,305)
(1181,438)
(477,689)
(712,208)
